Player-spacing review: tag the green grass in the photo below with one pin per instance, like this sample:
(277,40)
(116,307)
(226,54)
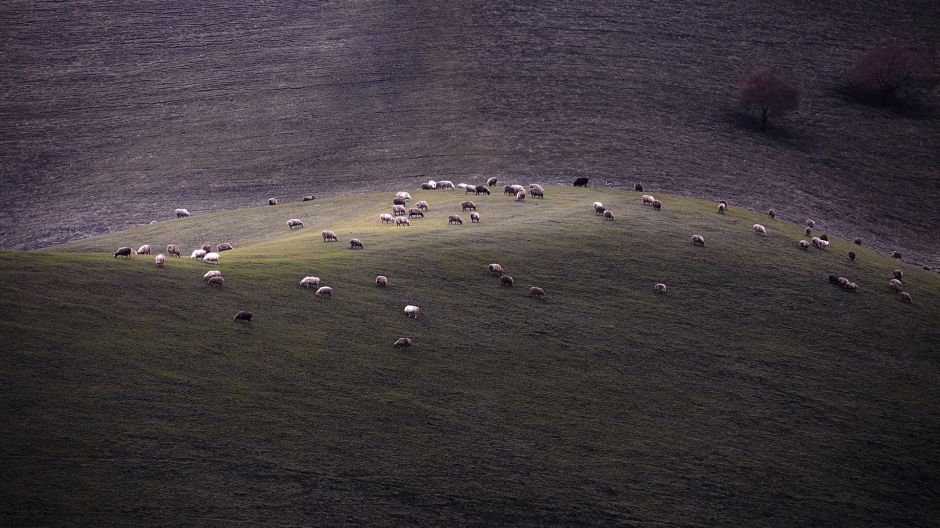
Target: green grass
(753,392)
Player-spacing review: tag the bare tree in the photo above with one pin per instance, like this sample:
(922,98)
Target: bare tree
(770,93)
(887,69)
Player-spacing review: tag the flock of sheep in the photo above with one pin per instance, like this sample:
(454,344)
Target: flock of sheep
(398,217)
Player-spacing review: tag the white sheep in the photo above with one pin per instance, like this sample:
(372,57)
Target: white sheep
(804,244)
(310,282)
(210,274)
(182,213)
(403,195)
(810,224)
(906,297)
(661,288)
(144,250)
(197,254)
(211,257)
(398,210)
(423,205)
(216,281)
(759,229)
(474,217)
(411,311)
(329,236)
(160,259)
(432,184)
(386,218)
(598,206)
(698,239)
(381,280)
(721,208)
(496,270)
(648,199)
(402,221)
(294,222)
(520,196)
(445,185)
(325,291)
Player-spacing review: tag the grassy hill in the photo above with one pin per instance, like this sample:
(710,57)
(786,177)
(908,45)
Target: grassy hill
(113,113)
(752,392)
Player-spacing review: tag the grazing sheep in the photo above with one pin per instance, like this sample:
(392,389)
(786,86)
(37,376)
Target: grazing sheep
(661,288)
(402,221)
(833,279)
(520,196)
(810,224)
(496,270)
(474,217)
(647,199)
(851,286)
(216,281)
(535,186)
(809,231)
(905,297)
(211,257)
(536,292)
(824,236)
(505,280)
(224,246)
(153,222)
(823,244)
(638,187)
(804,244)
(174,250)
(243,316)
(381,280)
(210,274)
(857,240)
(896,281)
(272,201)
(310,282)
(422,205)
(771,214)
(414,211)
(760,230)
(411,311)
(461,185)
(123,252)
(309,198)
(597,205)
(399,201)
(182,213)
(197,254)
(403,195)
(896,255)
(403,342)
(895,285)
(355,243)
(445,185)
(470,189)
(851,255)
(507,189)
(657,205)
(491,181)
(144,250)
(426,187)
(926,268)
(815,242)
(600,210)
(399,210)
(325,291)
(538,193)
(468,205)
(698,239)
(723,202)
(329,236)
(386,218)
(581,182)
(206,247)
(898,274)
(454,219)
(432,184)
(517,188)
(160,259)
(293,222)
(721,208)
(842,281)
(608,215)
(483,189)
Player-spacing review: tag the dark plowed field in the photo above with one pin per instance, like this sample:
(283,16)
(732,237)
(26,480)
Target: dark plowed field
(113,114)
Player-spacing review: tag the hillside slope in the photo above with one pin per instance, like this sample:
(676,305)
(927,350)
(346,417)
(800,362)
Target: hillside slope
(114,113)
(752,392)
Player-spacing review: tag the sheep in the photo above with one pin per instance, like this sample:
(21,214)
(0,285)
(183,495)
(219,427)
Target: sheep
(608,215)
(454,219)
(581,182)
(851,286)
(804,244)
(310,282)
(842,281)
(647,199)
(243,316)
(461,185)
(293,222)
(160,259)
(898,274)
(660,288)
(224,246)
(325,291)
(597,205)
(483,189)
(153,222)
(426,187)
(474,217)
(355,243)
(381,280)
(197,254)
(411,311)
(491,181)
(925,267)
(414,211)
(810,224)
(470,189)
(210,274)
(402,221)
(403,342)
(182,213)
(520,196)
(760,230)
(771,214)
(517,188)
(216,281)
(123,252)
(657,205)
(423,205)
(721,208)
(329,236)
(535,186)
(538,193)
(536,292)
(723,202)
(896,255)
(809,231)
(906,297)
(507,189)
(386,218)
(505,280)
(309,198)
(600,210)
(211,257)
(857,240)
(496,270)
(432,184)
(173,249)
(445,185)
(815,242)
(895,285)
(824,236)
(823,244)
(144,250)
(698,239)
(833,279)
(398,201)
(272,201)
(638,187)
(206,247)
(403,195)
(399,210)
(851,255)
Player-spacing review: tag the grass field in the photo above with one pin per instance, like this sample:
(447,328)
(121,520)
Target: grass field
(752,392)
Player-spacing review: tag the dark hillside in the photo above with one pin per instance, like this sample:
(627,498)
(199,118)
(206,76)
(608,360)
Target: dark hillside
(115,113)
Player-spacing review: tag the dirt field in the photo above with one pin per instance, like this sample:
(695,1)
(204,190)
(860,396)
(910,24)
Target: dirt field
(115,113)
